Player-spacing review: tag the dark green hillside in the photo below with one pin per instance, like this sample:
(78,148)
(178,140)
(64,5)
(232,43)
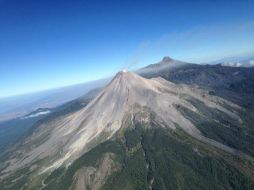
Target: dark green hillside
(160,159)
(220,127)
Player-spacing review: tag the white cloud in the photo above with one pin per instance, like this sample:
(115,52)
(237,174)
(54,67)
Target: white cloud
(37,114)
(249,63)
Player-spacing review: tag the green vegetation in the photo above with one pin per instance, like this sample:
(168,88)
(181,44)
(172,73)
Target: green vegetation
(173,163)
(62,179)
(217,125)
(132,138)
(162,159)
(133,174)
(176,164)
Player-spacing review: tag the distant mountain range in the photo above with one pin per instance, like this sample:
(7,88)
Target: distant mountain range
(174,125)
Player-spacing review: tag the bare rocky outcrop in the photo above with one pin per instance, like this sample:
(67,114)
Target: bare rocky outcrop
(94,177)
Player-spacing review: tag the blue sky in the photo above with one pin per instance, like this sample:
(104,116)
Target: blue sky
(51,43)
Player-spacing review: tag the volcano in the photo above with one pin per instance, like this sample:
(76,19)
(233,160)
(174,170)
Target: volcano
(128,101)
